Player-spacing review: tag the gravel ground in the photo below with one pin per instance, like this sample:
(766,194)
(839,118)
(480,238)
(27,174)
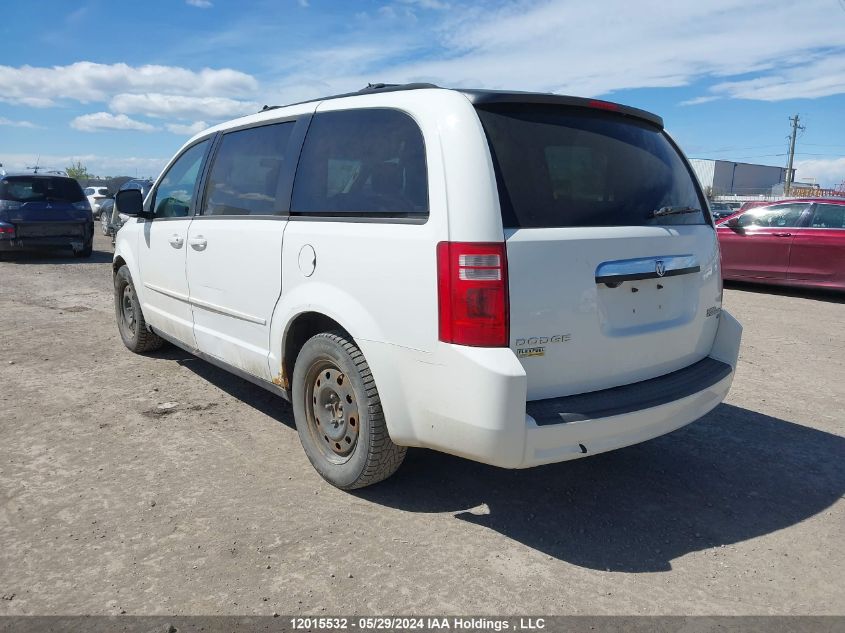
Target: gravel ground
(162,485)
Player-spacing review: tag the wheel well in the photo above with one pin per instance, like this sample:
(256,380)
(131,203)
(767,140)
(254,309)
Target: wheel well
(303,327)
(117,263)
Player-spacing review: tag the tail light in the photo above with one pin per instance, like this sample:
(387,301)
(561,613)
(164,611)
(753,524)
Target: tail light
(7,230)
(472,289)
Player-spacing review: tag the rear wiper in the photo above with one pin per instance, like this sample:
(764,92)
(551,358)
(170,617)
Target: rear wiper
(657,213)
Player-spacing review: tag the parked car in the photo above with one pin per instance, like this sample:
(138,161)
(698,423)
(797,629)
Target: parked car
(106,208)
(96,196)
(514,278)
(745,206)
(720,210)
(798,242)
(116,220)
(39,211)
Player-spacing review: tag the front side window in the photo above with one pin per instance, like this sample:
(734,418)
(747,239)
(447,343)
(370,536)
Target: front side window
(246,176)
(90,191)
(566,167)
(778,216)
(829,216)
(175,194)
(362,163)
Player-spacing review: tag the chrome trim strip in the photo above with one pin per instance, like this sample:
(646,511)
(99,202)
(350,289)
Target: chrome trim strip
(228,312)
(167,293)
(207,306)
(646,268)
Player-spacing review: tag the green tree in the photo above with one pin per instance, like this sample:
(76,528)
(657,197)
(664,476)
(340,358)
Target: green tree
(78,171)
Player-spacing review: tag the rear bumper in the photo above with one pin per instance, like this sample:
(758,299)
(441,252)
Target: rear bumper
(38,243)
(472,403)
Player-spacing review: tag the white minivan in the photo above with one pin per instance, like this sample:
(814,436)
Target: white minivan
(514,278)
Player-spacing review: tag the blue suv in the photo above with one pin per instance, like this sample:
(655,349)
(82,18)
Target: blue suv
(39,211)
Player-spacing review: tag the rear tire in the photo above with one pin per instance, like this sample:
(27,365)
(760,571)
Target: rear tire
(130,318)
(339,416)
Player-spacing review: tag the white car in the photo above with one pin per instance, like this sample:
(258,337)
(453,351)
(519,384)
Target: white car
(95,196)
(514,278)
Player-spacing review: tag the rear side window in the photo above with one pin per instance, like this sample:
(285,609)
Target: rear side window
(829,216)
(561,167)
(25,189)
(246,176)
(362,163)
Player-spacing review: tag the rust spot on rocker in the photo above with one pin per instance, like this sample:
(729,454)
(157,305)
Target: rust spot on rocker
(281,380)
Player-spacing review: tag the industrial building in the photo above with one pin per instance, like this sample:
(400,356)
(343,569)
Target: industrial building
(725,177)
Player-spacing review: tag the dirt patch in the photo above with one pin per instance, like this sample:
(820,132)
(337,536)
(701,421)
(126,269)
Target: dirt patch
(108,506)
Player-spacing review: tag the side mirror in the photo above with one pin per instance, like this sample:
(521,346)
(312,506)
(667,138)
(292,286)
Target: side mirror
(733,223)
(130,202)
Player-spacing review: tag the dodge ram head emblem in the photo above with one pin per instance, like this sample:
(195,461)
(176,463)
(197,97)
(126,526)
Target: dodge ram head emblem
(660,267)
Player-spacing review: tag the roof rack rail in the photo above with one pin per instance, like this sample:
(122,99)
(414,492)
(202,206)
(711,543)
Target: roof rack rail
(369,89)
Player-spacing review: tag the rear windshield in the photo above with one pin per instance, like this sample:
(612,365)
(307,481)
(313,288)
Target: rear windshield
(562,167)
(40,189)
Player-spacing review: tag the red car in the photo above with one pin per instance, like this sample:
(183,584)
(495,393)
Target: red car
(798,242)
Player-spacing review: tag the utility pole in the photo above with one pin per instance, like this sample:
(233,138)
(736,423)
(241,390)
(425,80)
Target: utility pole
(795,127)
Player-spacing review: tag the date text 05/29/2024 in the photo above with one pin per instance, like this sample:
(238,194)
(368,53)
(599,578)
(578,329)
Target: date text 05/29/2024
(384,623)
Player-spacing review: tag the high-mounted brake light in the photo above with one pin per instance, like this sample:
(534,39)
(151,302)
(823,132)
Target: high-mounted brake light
(472,289)
(603,105)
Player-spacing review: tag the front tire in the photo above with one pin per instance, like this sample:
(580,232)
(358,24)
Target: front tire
(338,414)
(130,318)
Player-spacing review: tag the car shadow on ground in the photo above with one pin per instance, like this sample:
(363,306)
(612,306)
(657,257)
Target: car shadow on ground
(56,257)
(734,475)
(814,294)
(268,403)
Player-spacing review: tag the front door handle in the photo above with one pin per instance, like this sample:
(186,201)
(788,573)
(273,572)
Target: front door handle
(198,243)
(176,240)
(782,234)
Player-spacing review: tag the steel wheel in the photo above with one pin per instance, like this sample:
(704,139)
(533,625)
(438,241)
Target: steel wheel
(127,305)
(332,411)
(338,413)
(130,317)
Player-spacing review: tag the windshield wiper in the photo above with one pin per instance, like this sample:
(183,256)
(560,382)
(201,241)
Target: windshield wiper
(658,213)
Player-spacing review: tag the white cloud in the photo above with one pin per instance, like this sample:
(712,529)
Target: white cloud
(11,123)
(89,82)
(202,4)
(187,129)
(180,106)
(828,172)
(592,48)
(32,102)
(436,5)
(698,100)
(99,121)
(819,78)
(102,165)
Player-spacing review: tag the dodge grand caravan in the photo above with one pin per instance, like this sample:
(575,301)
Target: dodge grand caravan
(514,278)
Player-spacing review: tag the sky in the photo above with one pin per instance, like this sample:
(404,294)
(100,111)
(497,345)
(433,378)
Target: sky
(120,86)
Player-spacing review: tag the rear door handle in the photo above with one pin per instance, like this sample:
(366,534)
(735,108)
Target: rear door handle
(176,241)
(782,234)
(198,243)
